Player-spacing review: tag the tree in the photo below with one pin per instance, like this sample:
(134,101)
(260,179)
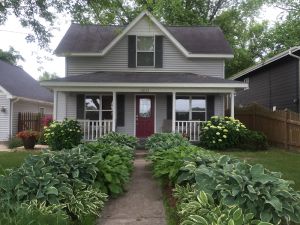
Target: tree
(48,76)
(11,56)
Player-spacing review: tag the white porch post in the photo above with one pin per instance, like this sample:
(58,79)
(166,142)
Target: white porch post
(114,111)
(173,111)
(232,104)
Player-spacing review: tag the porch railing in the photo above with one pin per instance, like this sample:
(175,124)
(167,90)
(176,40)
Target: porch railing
(94,129)
(191,129)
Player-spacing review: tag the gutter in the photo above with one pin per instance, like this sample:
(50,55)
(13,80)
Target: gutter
(12,114)
(297,57)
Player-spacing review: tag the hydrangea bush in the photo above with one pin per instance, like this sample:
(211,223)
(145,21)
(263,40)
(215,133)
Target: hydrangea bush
(221,132)
(63,135)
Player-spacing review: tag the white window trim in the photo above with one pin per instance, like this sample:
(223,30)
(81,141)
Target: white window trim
(247,81)
(100,110)
(190,111)
(137,51)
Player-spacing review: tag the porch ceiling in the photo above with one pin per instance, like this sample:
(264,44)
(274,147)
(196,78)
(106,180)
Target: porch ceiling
(143,79)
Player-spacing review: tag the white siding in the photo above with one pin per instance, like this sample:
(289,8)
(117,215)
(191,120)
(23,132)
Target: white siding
(71,105)
(145,27)
(161,111)
(4,118)
(117,60)
(61,106)
(219,105)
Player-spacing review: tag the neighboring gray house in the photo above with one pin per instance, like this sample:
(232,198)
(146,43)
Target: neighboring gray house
(142,78)
(274,83)
(19,92)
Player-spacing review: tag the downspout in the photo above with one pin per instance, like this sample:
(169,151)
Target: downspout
(12,115)
(297,57)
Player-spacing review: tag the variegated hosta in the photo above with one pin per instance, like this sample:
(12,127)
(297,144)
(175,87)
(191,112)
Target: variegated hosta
(253,188)
(200,209)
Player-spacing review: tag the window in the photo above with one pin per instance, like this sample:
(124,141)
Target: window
(246,80)
(98,107)
(145,51)
(190,108)
(145,107)
(42,110)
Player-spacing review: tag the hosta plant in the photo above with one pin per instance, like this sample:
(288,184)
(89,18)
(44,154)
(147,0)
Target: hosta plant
(165,141)
(252,187)
(119,139)
(63,135)
(200,209)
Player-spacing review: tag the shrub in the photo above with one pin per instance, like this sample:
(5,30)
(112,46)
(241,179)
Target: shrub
(165,141)
(33,213)
(200,208)
(120,139)
(114,168)
(253,140)
(253,188)
(15,143)
(221,133)
(55,178)
(63,135)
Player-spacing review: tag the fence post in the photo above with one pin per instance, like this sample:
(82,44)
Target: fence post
(286,133)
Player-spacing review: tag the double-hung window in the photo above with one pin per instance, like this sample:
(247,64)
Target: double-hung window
(191,108)
(145,51)
(98,107)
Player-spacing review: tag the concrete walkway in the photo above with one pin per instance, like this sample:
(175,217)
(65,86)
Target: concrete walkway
(142,204)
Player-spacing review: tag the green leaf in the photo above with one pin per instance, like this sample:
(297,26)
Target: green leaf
(265,223)
(275,202)
(257,170)
(231,222)
(237,214)
(52,191)
(198,219)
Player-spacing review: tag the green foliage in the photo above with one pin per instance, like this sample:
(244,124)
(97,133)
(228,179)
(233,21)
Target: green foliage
(11,56)
(63,135)
(226,132)
(200,209)
(165,141)
(167,163)
(14,143)
(253,188)
(114,168)
(33,213)
(253,140)
(48,76)
(55,178)
(119,139)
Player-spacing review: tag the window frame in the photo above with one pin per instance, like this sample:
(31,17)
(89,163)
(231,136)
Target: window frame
(138,51)
(100,106)
(190,111)
(43,109)
(247,81)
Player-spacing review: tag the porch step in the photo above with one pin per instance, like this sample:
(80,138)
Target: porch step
(141,154)
(141,143)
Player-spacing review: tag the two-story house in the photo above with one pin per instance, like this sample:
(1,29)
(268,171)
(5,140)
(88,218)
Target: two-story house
(142,78)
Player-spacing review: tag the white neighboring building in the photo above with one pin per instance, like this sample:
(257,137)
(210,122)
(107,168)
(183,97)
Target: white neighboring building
(19,92)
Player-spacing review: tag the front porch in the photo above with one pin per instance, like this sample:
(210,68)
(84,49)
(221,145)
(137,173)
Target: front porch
(102,113)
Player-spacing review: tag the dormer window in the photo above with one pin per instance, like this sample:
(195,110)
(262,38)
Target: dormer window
(145,46)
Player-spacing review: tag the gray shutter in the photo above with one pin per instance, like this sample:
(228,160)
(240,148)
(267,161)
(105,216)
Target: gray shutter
(169,107)
(131,51)
(80,107)
(120,110)
(158,51)
(210,106)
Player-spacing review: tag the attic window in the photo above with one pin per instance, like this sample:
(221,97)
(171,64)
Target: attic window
(145,50)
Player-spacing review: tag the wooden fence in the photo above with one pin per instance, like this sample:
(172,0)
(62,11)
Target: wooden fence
(30,121)
(282,128)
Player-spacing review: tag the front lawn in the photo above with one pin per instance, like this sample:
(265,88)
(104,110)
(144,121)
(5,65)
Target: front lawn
(275,159)
(13,159)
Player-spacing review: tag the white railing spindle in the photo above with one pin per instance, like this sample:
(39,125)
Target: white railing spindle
(189,128)
(94,129)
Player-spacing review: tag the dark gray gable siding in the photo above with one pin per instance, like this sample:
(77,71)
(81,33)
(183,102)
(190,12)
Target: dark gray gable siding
(274,85)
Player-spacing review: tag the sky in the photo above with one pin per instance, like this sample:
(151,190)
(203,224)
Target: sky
(13,34)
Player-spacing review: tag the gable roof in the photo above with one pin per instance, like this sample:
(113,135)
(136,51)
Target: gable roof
(18,83)
(289,52)
(97,40)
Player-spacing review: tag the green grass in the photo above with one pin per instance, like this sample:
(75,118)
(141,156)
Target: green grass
(274,159)
(13,159)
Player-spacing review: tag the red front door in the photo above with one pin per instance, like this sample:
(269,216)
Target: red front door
(144,116)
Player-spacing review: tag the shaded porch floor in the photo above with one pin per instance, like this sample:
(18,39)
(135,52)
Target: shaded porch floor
(143,202)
